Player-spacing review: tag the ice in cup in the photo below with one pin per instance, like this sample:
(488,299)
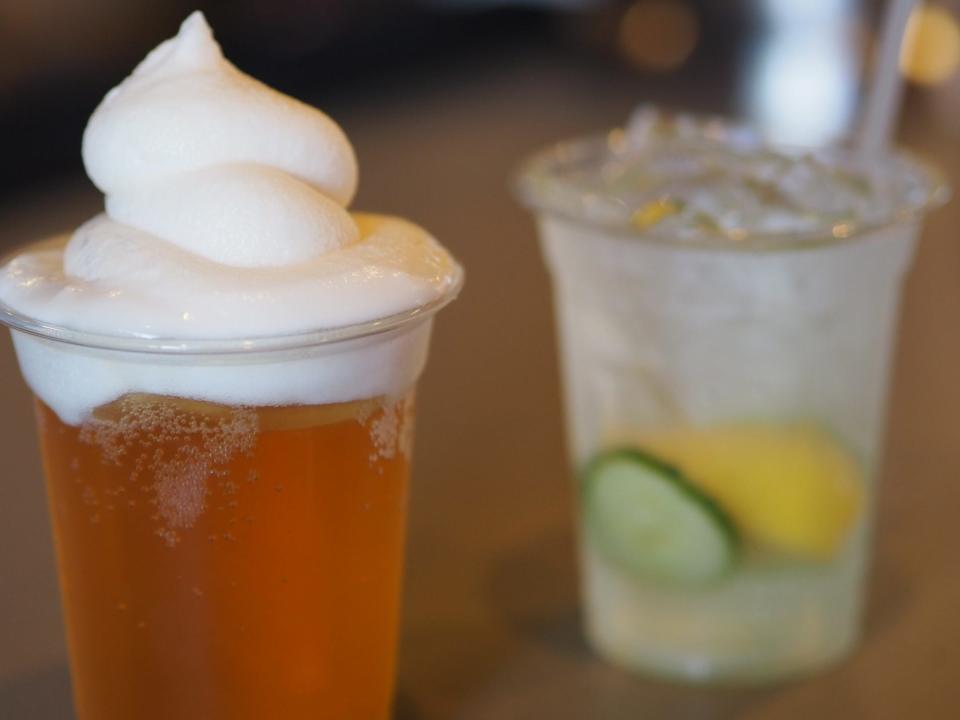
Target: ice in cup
(224,367)
(726,316)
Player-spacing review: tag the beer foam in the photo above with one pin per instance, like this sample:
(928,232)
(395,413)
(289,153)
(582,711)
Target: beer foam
(226,218)
(73,381)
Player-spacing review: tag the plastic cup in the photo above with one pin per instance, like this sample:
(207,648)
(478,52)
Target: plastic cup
(224,560)
(744,375)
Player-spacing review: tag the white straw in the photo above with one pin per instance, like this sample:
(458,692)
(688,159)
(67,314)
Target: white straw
(883,99)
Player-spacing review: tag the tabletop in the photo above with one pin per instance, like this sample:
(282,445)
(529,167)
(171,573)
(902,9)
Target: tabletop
(491,626)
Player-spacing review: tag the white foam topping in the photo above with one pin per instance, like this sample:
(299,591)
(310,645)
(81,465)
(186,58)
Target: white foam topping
(226,217)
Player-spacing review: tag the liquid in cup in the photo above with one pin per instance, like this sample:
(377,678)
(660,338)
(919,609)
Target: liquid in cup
(227,561)
(225,368)
(726,314)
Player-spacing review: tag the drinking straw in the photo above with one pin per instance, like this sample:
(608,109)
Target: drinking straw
(886,87)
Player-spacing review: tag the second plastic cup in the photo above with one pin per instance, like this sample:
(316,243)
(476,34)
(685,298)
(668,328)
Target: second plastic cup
(725,399)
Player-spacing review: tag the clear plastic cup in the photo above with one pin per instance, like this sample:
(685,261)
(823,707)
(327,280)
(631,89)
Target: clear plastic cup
(225,560)
(724,392)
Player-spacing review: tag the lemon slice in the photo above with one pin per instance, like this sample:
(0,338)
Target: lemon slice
(790,487)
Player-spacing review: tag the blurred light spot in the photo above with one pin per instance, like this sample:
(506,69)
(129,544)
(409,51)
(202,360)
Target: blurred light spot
(653,212)
(803,85)
(841,230)
(617,140)
(931,46)
(659,35)
(793,11)
(715,130)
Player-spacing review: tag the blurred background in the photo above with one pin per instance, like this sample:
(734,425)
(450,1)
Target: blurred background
(441,99)
(801,70)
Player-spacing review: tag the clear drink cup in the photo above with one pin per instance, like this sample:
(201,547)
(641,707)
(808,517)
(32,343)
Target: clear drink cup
(224,363)
(225,559)
(726,317)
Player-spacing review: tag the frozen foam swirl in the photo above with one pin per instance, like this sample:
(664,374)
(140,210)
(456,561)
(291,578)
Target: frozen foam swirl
(226,218)
(192,150)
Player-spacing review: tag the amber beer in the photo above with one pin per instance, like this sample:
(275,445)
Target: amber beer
(230,562)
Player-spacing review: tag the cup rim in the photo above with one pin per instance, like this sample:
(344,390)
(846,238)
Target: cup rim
(189,347)
(538,174)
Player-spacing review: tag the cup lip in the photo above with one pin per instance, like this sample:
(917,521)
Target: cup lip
(537,175)
(190,347)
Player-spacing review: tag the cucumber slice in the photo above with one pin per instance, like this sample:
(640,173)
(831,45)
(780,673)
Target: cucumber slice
(646,517)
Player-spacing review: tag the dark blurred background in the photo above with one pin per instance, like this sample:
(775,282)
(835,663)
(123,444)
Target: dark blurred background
(441,99)
(799,68)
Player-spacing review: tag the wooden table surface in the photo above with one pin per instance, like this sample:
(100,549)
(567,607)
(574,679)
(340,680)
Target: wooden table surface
(491,612)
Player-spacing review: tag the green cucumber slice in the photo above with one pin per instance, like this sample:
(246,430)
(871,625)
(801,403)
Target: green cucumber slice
(648,519)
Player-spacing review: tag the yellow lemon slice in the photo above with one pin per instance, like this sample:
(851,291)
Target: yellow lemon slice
(790,487)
